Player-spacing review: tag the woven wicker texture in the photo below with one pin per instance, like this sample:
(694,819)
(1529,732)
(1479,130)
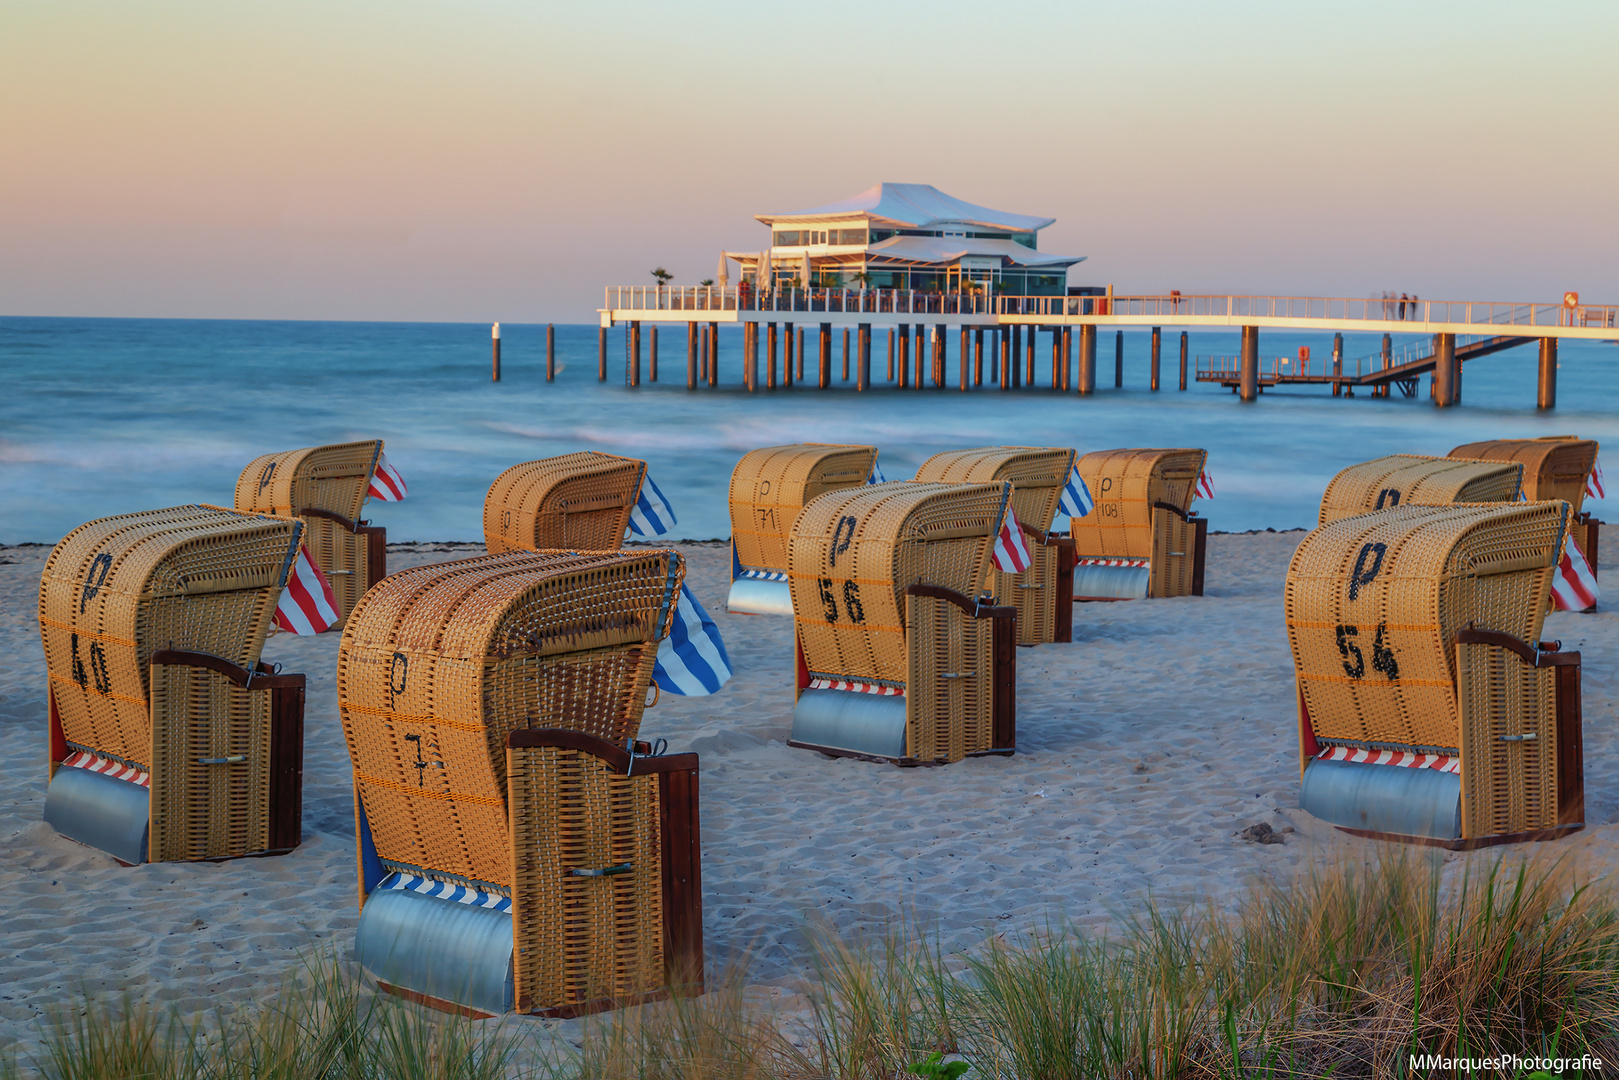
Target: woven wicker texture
(440,663)
(771,485)
(1554,466)
(334,479)
(1124,484)
(1507,786)
(1037,475)
(1414,480)
(1374,603)
(577,502)
(579,938)
(852,555)
(116,590)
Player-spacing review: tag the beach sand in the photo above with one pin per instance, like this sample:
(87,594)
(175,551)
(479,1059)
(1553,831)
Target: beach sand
(1144,748)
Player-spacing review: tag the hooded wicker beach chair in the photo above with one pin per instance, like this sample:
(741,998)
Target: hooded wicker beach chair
(1429,708)
(326,486)
(518,849)
(769,487)
(1415,480)
(1142,538)
(1554,467)
(169,740)
(1044,593)
(575,502)
(899,657)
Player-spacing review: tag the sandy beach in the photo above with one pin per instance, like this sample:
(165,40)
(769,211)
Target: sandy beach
(1144,749)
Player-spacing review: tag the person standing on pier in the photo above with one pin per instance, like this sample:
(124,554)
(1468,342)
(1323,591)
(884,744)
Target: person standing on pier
(1402,306)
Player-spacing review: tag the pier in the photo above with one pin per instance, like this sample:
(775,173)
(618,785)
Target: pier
(1013,324)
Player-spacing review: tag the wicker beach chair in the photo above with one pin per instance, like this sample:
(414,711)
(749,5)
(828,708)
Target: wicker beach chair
(513,852)
(1044,593)
(169,741)
(1554,467)
(325,486)
(576,502)
(899,659)
(1142,539)
(1429,709)
(769,487)
(1415,480)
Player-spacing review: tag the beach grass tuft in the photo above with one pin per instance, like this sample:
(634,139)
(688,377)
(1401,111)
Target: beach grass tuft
(1346,971)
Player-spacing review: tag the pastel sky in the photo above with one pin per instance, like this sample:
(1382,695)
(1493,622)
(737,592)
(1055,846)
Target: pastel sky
(482,160)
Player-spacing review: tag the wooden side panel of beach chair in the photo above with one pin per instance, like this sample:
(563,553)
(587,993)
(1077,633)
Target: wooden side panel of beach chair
(1174,566)
(1509,740)
(771,486)
(605,874)
(1416,480)
(951,695)
(574,502)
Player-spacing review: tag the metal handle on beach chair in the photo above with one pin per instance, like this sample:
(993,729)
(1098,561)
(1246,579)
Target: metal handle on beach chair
(606,871)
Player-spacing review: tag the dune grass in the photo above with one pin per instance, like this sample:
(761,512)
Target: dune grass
(1344,972)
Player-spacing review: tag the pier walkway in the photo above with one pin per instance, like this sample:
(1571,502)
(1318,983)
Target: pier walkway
(1457,329)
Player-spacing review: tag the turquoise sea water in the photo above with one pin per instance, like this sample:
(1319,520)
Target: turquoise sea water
(106,416)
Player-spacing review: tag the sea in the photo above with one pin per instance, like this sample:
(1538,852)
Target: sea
(108,416)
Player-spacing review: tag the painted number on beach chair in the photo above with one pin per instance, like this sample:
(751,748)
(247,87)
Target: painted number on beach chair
(1382,656)
(1390,496)
(842,537)
(851,600)
(1362,574)
(96,578)
(398,672)
(98,667)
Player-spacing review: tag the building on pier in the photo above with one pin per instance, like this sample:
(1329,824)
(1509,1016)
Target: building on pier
(907,236)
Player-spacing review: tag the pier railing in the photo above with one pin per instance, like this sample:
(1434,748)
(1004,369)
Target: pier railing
(744,298)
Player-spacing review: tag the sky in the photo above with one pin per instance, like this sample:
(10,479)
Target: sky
(486,160)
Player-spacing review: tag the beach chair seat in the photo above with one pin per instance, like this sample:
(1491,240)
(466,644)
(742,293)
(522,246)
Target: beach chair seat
(574,502)
(769,487)
(1141,539)
(169,740)
(900,658)
(1417,480)
(1044,593)
(327,487)
(513,852)
(1554,467)
(1429,709)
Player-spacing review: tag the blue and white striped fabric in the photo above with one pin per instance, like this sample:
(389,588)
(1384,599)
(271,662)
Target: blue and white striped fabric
(1076,497)
(444,890)
(692,660)
(764,575)
(876,476)
(652,515)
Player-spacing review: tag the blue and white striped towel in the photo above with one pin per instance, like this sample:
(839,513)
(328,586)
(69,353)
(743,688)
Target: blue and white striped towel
(1076,497)
(444,890)
(652,515)
(876,476)
(692,660)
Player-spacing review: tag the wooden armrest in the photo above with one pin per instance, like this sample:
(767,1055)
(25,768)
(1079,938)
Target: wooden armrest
(617,758)
(263,677)
(329,515)
(1539,658)
(965,603)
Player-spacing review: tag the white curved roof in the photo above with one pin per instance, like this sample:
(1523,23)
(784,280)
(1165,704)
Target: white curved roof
(918,205)
(941,249)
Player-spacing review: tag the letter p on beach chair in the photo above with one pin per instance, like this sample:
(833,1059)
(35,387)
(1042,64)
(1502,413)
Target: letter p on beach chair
(1429,709)
(517,848)
(169,741)
(1142,539)
(899,658)
(326,486)
(769,488)
(575,502)
(1044,593)
(1416,480)
(1554,467)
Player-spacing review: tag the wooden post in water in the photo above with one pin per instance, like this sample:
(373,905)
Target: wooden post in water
(1184,351)
(800,356)
(788,346)
(770,370)
(1546,388)
(1444,371)
(890,354)
(550,352)
(635,353)
(1248,382)
(1118,360)
(921,357)
(752,329)
(1056,358)
(702,352)
(863,363)
(1337,364)
(1087,358)
(1015,361)
(1003,357)
(904,360)
(825,356)
(978,356)
(691,356)
(964,351)
(1388,360)
(1067,357)
(1157,346)
(845,354)
(713,354)
(652,357)
(601,354)
(494,338)
(1028,358)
